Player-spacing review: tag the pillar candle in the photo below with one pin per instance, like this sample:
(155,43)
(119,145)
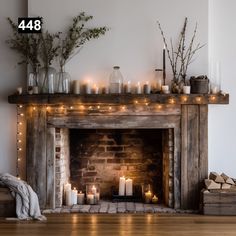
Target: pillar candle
(94,190)
(122,186)
(95,89)
(146,88)
(87,87)
(148,197)
(128,87)
(165,89)
(68,198)
(90,199)
(76,87)
(129,187)
(67,186)
(74,196)
(80,198)
(97,198)
(138,88)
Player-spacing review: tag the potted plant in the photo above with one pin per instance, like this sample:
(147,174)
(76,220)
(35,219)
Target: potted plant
(181,57)
(48,52)
(71,44)
(27,45)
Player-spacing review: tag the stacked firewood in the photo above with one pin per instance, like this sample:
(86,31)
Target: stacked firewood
(222,181)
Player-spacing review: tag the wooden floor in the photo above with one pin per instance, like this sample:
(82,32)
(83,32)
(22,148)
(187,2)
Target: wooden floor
(121,225)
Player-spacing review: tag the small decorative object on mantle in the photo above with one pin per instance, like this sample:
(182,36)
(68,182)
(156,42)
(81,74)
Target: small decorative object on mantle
(116,81)
(181,57)
(199,85)
(75,37)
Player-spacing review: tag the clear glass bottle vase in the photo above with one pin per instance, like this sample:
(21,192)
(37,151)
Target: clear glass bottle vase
(63,81)
(116,81)
(47,77)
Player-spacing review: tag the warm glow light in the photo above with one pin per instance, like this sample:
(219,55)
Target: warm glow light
(18,159)
(185,98)
(19,141)
(90,107)
(18,177)
(82,107)
(20,123)
(172,101)
(71,107)
(21,114)
(198,99)
(110,108)
(19,149)
(136,101)
(98,107)
(19,133)
(123,108)
(146,104)
(213,98)
(34,108)
(47,108)
(159,106)
(20,106)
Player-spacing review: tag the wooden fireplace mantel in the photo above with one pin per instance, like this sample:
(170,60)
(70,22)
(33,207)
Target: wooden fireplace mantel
(185,115)
(182,99)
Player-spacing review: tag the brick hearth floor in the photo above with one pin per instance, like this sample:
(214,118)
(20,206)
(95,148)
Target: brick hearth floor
(117,207)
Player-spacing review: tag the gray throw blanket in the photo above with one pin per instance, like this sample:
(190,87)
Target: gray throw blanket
(27,205)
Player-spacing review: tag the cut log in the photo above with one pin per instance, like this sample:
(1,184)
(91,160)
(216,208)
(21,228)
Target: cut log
(216,177)
(211,184)
(226,186)
(227,179)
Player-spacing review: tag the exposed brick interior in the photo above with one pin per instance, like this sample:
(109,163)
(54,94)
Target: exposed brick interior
(102,156)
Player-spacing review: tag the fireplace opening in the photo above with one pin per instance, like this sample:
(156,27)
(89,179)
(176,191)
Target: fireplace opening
(99,157)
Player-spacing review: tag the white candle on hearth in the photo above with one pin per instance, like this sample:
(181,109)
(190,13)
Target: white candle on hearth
(74,196)
(94,190)
(122,186)
(90,199)
(68,198)
(67,186)
(129,187)
(80,198)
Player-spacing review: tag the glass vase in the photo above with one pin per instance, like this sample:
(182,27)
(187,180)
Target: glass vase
(32,82)
(116,81)
(63,82)
(47,77)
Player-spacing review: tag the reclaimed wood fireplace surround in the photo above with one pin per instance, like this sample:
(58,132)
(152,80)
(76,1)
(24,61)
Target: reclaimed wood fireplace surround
(185,115)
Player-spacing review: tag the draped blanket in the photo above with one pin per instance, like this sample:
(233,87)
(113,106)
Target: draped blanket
(27,204)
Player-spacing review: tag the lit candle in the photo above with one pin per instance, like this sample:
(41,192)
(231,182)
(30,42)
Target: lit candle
(129,187)
(138,88)
(90,199)
(155,199)
(74,196)
(19,90)
(148,196)
(67,186)
(128,87)
(95,89)
(80,198)
(94,190)
(76,87)
(146,88)
(164,64)
(87,87)
(122,186)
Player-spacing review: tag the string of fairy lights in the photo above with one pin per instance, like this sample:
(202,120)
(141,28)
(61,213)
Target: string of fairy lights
(137,105)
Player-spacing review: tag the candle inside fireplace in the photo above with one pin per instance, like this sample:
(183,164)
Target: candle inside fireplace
(129,187)
(80,198)
(94,190)
(148,197)
(122,186)
(90,199)
(74,196)
(68,197)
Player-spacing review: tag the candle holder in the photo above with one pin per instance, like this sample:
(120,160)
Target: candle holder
(92,193)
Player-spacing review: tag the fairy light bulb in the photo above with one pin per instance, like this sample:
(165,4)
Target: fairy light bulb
(123,108)
(198,99)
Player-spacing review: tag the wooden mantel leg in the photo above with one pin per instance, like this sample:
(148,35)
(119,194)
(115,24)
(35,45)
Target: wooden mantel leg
(36,140)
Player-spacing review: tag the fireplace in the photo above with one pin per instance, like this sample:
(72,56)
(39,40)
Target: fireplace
(177,122)
(100,156)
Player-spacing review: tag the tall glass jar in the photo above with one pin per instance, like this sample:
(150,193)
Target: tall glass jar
(158,80)
(62,83)
(47,77)
(116,81)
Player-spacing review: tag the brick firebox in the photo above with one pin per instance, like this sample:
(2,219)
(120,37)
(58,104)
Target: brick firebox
(185,115)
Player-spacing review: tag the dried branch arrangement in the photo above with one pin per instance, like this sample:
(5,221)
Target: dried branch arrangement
(181,57)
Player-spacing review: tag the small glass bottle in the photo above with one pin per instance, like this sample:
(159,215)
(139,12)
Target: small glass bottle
(116,81)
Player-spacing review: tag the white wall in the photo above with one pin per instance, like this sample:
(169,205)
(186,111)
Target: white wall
(222,48)
(11,76)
